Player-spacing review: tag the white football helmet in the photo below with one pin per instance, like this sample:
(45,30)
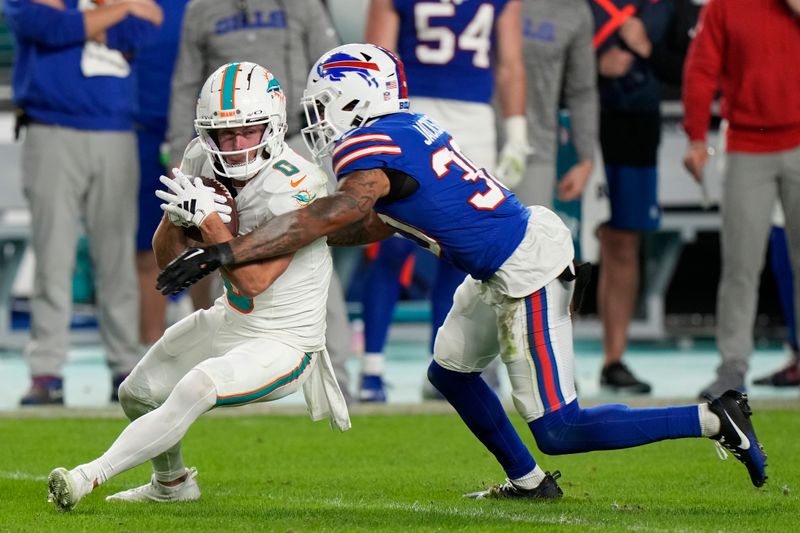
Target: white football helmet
(348,86)
(236,95)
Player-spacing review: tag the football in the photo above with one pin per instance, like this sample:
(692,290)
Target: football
(193,232)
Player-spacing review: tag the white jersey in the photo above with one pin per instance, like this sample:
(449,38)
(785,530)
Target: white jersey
(292,309)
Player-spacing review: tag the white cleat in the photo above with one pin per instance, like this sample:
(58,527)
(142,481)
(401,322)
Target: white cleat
(154,491)
(67,488)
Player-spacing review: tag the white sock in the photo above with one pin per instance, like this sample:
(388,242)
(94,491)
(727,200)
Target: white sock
(372,365)
(531,480)
(89,472)
(709,422)
(157,431)
(169,465)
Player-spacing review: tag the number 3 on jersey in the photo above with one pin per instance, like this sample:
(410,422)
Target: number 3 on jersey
(476,37)
(450,155)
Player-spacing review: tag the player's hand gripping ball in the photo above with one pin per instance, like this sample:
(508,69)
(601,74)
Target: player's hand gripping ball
(220,190)
(189,201)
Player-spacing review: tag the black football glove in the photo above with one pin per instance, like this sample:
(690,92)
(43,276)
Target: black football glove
(191,266)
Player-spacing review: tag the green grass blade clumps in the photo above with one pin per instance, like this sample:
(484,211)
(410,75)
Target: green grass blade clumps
(396,473)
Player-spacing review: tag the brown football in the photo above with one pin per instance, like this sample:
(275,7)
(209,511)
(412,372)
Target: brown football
(194,233)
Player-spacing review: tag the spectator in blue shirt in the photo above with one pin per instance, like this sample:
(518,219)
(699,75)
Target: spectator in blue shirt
(74,91)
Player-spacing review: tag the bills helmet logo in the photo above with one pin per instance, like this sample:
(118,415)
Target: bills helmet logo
(339,65)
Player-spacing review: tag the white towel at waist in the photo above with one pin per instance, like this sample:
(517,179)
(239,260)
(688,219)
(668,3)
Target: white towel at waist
(323,395)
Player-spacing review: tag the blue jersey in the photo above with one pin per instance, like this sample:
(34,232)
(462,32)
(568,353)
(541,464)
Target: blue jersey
(155,63)
(447,47)
(459,212)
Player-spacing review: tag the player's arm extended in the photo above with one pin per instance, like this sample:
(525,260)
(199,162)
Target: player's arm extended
(369,229)
(284,234)
(168,242)
(287,233)
(250,279)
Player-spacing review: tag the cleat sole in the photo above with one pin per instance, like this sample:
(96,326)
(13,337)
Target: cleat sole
(59,490)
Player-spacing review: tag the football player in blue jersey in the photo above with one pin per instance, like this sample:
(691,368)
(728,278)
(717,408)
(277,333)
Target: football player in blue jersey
(455,56)
(399,172)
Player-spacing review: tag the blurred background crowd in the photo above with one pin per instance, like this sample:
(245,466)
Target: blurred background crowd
(665,133)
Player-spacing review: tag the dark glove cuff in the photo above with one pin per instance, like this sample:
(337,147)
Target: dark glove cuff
(225,253)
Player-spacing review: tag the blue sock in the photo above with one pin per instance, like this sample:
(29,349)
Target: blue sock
(782,268)
(481,411)
(611,427)
(448,278)
(382,291)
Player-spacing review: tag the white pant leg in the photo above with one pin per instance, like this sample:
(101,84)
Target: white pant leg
(182,347)
(167,362)
(533,336)
(538,350)
(157,433)
(258,370)
(467,341)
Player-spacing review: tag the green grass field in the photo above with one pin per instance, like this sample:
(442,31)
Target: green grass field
(399,473)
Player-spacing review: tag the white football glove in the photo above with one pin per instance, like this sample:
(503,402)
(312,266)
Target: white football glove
(514,155)
(190,203)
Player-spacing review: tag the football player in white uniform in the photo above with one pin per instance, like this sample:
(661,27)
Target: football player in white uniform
(265,336)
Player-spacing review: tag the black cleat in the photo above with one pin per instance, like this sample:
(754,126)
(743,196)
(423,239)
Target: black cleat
(619,378)
(548,489)
(737,435)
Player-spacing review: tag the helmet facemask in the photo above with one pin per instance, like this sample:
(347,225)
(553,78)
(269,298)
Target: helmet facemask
(328,120)
(256,157)
(239,95)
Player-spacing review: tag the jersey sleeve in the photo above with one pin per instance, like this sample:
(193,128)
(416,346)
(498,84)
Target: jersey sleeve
(305,189)
(365,149)
(194,159)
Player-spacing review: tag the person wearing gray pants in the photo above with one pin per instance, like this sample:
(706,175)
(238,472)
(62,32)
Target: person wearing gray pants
(762,106)
(752,182)
(74,92)
(75,178)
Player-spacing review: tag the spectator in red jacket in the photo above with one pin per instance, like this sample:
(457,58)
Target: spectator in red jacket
(749,50)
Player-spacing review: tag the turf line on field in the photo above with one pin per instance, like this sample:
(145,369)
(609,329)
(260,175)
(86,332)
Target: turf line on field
(482,510)
(476,512)
(21,476)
